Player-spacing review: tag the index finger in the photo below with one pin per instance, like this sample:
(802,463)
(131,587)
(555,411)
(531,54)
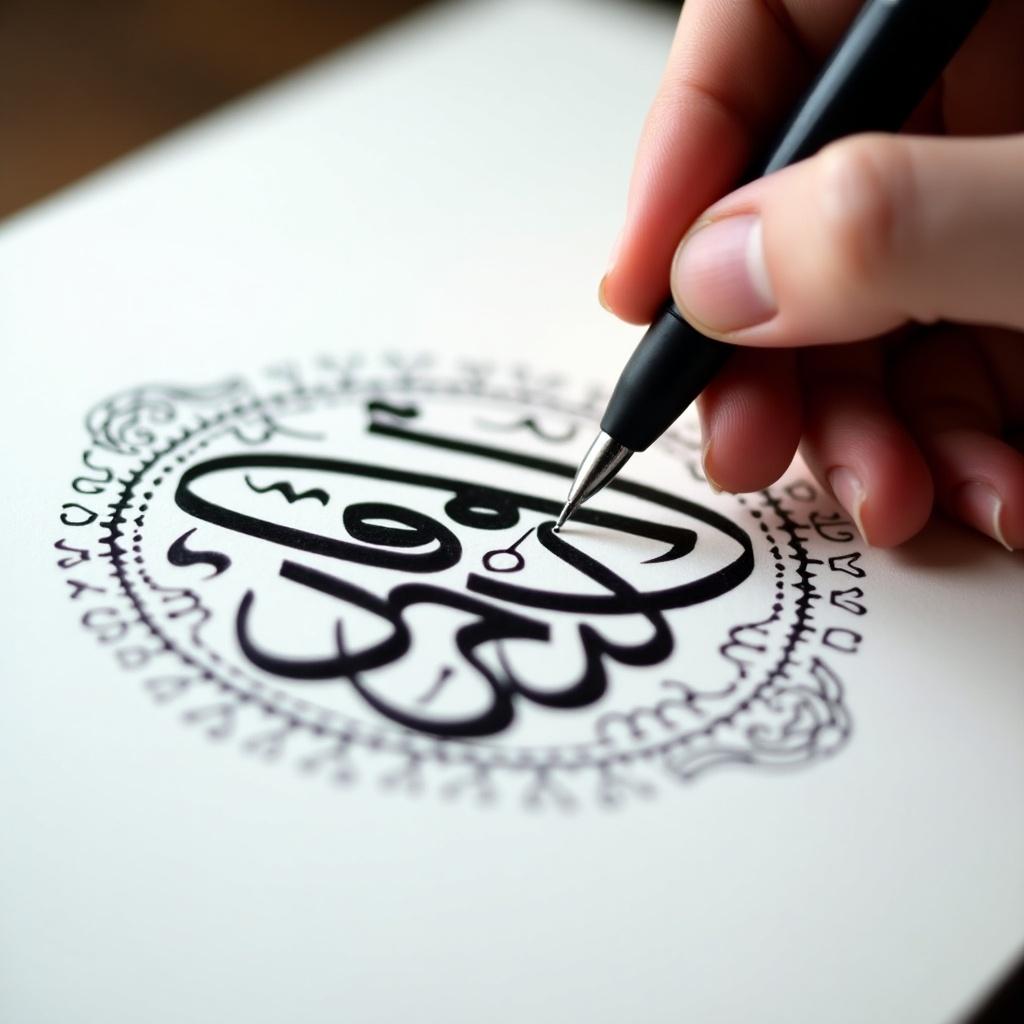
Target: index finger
(734,68)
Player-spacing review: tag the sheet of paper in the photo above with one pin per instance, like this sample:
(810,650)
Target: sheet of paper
(310,716)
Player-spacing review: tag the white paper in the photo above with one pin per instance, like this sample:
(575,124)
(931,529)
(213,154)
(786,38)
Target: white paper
(790,791)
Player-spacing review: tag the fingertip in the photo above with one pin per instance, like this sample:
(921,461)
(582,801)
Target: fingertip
(899,495)
(980,480)
(751,419)
(629,296)
(719,279)
(888,496)
(957,407)
(860,451)
(980,505)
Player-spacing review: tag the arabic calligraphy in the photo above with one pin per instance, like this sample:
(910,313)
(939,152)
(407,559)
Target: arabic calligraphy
(401,538)
(352,567)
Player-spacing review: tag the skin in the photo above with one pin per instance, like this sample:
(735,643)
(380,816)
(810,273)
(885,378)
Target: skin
(913,242)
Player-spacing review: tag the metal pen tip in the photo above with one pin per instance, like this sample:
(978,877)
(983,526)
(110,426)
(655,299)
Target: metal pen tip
(599,466)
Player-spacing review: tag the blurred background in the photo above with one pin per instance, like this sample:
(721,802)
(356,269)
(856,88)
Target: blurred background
(84,81)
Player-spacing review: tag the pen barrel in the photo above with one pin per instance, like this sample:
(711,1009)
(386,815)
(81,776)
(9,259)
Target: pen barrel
(889,58)
(673,360)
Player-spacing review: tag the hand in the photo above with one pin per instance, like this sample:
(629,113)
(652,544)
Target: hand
(914,242)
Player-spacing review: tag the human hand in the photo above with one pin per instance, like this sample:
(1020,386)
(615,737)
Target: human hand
(914,242)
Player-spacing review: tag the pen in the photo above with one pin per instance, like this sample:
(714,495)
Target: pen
(880,71)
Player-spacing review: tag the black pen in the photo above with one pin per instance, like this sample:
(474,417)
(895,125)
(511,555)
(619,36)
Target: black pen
(881,70)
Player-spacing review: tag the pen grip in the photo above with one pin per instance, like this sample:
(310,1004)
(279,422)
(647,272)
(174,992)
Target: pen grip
(673,360)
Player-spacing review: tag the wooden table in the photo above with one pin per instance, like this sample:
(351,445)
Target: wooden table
(84,81)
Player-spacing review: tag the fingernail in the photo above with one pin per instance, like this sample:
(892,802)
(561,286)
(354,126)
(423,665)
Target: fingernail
(705,448)
(704,460)
(849,492)
(719,277)
(980,505)
(613,256)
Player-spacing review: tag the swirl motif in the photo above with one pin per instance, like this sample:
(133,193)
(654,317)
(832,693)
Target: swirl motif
(139,419)
(776,705)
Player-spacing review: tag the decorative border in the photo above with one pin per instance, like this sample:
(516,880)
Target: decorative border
(795,715)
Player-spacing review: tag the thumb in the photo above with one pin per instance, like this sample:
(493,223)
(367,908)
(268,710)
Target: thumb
(872,232)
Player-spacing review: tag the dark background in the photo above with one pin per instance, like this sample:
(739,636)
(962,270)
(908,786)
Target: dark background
(84,81)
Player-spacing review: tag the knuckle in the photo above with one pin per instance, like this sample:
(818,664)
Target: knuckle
(864,187)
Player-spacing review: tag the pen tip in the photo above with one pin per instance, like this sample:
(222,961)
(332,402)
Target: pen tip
(604,459)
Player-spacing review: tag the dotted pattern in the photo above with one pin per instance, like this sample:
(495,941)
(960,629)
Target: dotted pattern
(291,713)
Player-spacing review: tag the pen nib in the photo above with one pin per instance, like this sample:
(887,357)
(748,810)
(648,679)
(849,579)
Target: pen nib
(599,466)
